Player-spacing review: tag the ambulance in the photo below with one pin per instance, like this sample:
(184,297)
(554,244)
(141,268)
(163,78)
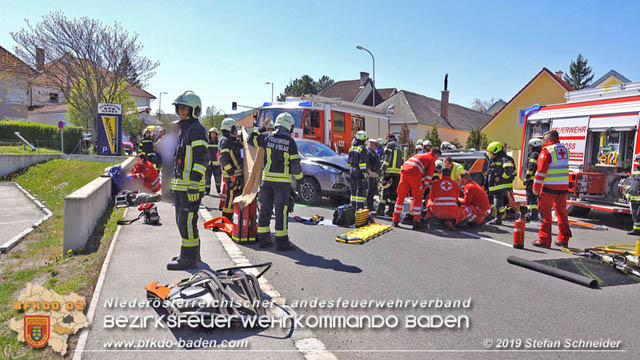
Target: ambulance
(599,127)
(333,122)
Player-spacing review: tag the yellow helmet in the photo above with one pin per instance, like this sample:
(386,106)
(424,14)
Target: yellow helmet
(495,147)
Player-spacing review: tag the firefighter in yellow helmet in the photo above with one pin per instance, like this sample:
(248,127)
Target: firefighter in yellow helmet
(500,179)
(188,182)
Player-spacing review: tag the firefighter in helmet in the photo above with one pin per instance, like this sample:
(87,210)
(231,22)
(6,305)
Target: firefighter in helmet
(500,179)
(535,146)
(214,164)
(426,145)
(231,164)
(357,164)
(188,183)
(445,146)
(633,195)
(391,163)
(146,145)
(281,166)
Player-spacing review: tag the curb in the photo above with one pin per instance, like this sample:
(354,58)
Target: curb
(306,343)
(82,340)
(16,239)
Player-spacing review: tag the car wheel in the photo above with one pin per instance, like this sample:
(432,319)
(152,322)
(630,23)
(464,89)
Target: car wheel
(309,191)
(577,210)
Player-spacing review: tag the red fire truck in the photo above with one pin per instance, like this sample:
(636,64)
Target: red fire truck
(599,127)
(332,122)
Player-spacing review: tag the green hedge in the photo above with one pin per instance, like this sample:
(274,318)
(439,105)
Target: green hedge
(47,136)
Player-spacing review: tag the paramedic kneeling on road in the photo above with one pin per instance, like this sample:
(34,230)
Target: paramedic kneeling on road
(475,204)
(443,200)
(551,184)
(281,161)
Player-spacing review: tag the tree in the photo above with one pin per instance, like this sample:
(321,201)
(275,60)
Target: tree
(305,85)
(212,121)
(482,105)
(96,61)
(477,140)
(433,136)
(580,74)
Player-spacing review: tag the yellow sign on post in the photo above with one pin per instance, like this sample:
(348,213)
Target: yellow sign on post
(109,123)
(109,129)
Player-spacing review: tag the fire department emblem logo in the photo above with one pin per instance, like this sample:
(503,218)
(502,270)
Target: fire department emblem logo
(36,330)
(446,185)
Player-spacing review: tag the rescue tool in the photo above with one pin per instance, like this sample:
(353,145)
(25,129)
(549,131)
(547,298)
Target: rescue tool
(619,262)
(229,292)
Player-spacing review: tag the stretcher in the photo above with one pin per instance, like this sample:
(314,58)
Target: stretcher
(363,234)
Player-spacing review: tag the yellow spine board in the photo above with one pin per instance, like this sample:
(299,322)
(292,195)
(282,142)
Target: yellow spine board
(363,234)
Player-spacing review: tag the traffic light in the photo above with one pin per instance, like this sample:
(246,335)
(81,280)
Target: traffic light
(234,106)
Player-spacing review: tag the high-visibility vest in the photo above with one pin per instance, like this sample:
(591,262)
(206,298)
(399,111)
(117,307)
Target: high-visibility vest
(558,171)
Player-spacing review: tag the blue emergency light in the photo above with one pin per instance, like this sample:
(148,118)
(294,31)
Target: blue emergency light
(306,104)
(266,104)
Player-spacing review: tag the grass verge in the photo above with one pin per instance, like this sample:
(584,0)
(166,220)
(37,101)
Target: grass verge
(19,149)
(38,257)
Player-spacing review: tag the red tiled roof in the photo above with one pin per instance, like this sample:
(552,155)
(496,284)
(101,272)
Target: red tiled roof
(136,91)
(10,62)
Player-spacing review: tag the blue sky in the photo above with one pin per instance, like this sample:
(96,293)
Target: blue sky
(227,50)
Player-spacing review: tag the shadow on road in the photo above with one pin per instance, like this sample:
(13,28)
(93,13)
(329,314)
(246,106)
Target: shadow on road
(304,258)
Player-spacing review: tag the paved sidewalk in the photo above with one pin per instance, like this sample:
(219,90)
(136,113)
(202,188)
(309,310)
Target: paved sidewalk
(17,212)
(139,257)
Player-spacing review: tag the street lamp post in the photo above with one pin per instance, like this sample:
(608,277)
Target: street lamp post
(160,106)
(267,83)
(374,72)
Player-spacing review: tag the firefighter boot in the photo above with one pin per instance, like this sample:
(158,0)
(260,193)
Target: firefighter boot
(264,240)
(283,244)
(380,209)
(189,259)
(497,220)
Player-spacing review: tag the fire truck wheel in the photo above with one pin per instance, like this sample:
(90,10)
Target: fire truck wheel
(309,191)
(577,211)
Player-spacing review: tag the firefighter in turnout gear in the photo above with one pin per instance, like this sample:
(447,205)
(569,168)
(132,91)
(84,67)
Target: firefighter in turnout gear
(231,164)
(187,184)
(535,146)
(633,195)
(551,184)
(415,175)
(281,166)
(357,164)
(373,169)
(146,145)
(214,164)
(500,179)
(391,164)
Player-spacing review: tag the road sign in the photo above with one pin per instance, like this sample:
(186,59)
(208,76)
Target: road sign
(60,124)
(109,129)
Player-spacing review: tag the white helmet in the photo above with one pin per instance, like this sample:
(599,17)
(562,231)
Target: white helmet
(228,124)
(427,143)
(213,129)
(380,141)
(419,142)
(419,147)
(453,147)
(445,145)
(285,120)
(535,142)
(362,135)
(439,165)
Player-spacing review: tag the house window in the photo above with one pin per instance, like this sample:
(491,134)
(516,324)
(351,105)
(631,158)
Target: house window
(53,98)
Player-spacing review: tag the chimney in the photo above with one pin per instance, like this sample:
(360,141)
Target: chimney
(559,73)
(39,59)
(364,77)
(444,101)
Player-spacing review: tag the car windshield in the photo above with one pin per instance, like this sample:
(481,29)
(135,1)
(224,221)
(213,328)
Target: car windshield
(312,148)
(272,114)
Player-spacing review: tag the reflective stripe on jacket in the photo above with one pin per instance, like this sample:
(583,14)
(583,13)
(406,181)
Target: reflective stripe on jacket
(392,158)
(553,168)
(190,157)
(281,159)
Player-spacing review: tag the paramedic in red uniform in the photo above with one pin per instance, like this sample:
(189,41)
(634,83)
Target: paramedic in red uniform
(551,184)
(443,200)
(145,170)
(475,204)
(415,174)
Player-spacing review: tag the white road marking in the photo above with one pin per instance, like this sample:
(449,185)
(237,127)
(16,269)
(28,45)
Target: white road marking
(17,221)
(486,238)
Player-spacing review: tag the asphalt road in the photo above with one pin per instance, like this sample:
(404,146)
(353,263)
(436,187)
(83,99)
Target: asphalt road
(17,212)
(508,303)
